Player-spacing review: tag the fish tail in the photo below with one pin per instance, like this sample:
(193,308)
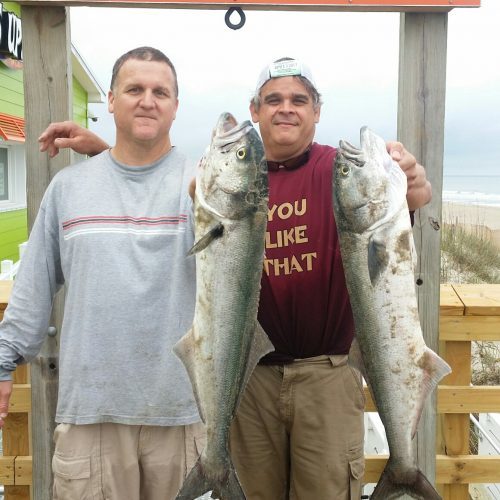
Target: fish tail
(195,484)
(231,489)
(389,487)
(198,483)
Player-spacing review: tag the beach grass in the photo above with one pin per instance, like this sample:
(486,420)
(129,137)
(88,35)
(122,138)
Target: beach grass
(470,253)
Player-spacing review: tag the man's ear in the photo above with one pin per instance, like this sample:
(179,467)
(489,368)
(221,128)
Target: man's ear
(317,113)
(176,108)
(111,100)
(254,113)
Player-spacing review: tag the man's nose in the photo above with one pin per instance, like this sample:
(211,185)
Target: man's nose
(286,106)
(148,99)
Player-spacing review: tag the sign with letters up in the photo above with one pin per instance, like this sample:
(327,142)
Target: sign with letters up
(11,39)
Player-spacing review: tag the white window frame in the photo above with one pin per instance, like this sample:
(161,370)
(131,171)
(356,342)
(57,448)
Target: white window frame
(16,167)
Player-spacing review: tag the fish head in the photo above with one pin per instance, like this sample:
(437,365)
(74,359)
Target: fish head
(233,171)
(368,186)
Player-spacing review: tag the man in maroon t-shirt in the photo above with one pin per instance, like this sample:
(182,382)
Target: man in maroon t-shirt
(299,430)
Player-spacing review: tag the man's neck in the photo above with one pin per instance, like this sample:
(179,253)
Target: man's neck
(281,155)
(137,155)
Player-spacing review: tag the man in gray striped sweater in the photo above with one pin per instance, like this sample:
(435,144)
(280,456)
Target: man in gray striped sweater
(115,231)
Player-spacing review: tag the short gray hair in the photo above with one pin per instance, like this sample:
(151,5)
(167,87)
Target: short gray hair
(143,54)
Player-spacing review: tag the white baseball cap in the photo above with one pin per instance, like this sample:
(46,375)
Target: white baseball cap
(284,67)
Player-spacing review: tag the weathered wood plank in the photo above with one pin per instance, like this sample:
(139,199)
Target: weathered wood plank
(15,440)
(15,436)
(465,399)
(48,98)
(459,399)
(468,469)
(335,5)
(480,300)
(6,470)
(469,328)
(449,302)
(455,428)
(458,356)
(421,106)
(5,290)
(20,400)
(21,375)
(23,470)
(454,470)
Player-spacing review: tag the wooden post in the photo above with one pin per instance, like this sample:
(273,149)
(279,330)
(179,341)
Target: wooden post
(48,98)
(421,103)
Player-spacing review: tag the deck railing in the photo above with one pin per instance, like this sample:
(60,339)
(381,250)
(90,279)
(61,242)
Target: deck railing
(467,313)
(9,268)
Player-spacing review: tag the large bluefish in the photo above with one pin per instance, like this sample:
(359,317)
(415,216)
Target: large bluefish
(225,342)
(376,241)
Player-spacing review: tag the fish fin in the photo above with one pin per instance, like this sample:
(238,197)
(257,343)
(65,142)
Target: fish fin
(435,368)
(204,241)
(261,345)
(378,257)
(355,358)
(184,350)
(415,485)
(195,484)
(198,483)
(232,489)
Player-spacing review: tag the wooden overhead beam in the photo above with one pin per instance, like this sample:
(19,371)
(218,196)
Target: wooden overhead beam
(312,5)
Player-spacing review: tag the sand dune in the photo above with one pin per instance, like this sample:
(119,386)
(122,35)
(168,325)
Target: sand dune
(475,217)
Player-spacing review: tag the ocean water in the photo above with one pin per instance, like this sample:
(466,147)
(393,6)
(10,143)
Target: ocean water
(472,189)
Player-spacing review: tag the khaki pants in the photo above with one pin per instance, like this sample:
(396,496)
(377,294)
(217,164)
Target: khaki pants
(298,433)
(123,462)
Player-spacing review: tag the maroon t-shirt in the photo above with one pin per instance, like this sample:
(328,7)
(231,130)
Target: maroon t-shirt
(304,305)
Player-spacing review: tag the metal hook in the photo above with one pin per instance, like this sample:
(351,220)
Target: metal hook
(240,12)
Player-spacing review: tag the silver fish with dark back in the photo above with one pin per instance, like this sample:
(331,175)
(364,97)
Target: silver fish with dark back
(378,254)
(226,341)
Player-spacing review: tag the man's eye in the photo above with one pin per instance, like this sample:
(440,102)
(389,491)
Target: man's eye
(161,93)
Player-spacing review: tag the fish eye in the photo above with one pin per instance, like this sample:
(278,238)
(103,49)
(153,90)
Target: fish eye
(241,153)
(344,170)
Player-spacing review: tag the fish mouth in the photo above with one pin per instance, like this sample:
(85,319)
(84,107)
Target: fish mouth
(352,153)
(375,147)
(228,130)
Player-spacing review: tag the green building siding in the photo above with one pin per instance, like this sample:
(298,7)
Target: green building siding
(13,224)
(79,104)
(12,7)
(13,231)
(12,95)
(11,91)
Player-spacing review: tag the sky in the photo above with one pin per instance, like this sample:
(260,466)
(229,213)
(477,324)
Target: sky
(353,57)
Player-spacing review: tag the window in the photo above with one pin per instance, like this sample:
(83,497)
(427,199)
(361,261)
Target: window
(4,175)
(12,177)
